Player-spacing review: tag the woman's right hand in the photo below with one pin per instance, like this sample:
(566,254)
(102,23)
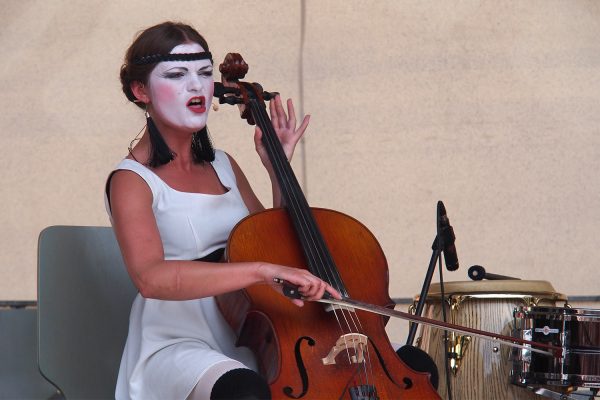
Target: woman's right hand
(309,286)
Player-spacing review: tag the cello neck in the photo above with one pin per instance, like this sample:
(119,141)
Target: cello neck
(319,259)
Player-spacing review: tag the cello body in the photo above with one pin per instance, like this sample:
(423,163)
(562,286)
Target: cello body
(311,352)
(292,342)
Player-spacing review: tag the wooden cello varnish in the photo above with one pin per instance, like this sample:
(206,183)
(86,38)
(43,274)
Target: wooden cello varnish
(299,348)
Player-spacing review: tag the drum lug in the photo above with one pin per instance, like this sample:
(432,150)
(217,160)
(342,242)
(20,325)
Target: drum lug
(457,344)
(418,341)
(532,301)
(412,309)
(457,348)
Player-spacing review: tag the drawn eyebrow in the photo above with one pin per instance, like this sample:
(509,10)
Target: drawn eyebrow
(176,68)
(182,68)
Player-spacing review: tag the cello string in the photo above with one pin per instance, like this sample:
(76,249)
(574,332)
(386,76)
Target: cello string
(322,257)
(296,204)
(346,315)
(273,142)
(286,183)
(366,363)
(307,234)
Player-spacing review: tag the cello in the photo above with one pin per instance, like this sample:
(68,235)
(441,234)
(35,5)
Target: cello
(319,351)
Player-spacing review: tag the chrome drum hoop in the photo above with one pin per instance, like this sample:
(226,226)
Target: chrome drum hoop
(577,331)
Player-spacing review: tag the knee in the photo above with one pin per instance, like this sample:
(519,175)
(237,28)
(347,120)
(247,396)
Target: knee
(240,384)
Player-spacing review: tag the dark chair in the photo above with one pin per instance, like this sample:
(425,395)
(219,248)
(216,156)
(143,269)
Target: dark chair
(84,299)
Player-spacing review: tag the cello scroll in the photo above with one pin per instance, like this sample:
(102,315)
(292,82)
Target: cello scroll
(232,91)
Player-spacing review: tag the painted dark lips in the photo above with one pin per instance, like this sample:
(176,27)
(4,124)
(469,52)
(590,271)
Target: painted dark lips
(197,104)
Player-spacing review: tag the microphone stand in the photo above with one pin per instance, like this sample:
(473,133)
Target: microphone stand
(437,248)
(444,240)
(443,236)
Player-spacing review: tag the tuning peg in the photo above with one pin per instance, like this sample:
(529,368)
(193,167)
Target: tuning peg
(231,100)
(269,95)
(222,90)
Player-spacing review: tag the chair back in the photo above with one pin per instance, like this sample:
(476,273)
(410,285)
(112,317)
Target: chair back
(19,374)
(84,300)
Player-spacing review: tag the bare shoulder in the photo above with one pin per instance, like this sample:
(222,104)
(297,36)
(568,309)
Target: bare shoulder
(123,178)
(126,186)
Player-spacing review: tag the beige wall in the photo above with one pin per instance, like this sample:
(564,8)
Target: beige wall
(491,106)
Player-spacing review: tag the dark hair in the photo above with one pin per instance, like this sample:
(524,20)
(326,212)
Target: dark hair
(161,39)
(158,39)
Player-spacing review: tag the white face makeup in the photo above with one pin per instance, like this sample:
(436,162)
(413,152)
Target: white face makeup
(181,91)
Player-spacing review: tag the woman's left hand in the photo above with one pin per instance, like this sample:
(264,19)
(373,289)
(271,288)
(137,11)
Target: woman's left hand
(285,127)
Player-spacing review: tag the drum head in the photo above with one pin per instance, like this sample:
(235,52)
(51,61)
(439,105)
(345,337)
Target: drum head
(491,288)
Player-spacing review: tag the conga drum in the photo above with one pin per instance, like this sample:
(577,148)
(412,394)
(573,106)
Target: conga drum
(479,368)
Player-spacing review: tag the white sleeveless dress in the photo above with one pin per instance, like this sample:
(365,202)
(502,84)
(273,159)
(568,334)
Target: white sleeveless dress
(171,344)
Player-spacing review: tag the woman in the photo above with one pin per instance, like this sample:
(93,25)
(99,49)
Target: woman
(173,201)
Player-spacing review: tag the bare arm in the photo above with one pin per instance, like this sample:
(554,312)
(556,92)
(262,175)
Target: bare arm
(155,277)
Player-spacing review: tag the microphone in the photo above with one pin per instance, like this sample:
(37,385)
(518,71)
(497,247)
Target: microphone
(478,273)
(446,237)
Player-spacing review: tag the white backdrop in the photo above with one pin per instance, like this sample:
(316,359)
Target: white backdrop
(491,106)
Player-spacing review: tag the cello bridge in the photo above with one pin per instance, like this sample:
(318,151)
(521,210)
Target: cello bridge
(350,341)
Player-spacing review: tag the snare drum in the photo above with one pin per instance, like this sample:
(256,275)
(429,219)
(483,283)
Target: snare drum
(479,368)
(576,330)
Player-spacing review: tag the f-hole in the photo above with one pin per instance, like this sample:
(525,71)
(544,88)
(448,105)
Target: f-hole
(288,391)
